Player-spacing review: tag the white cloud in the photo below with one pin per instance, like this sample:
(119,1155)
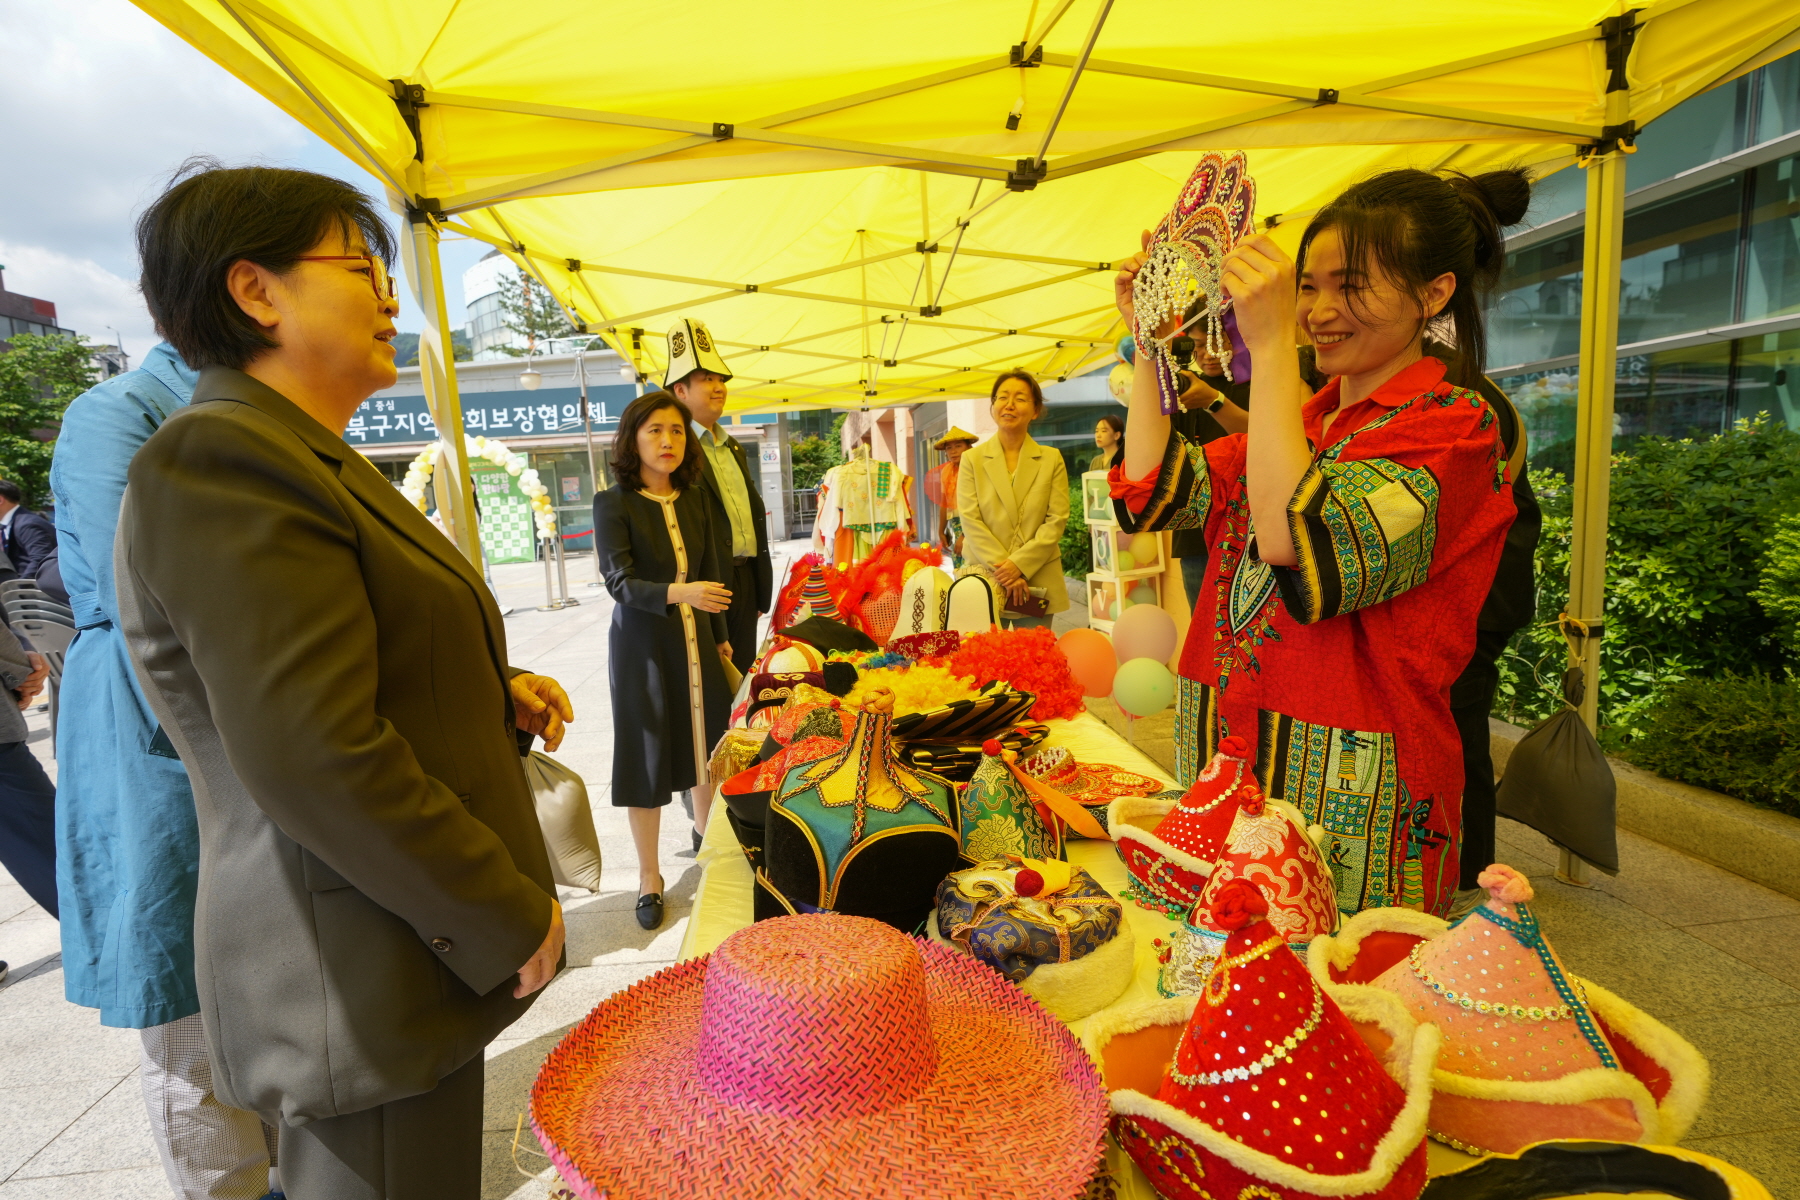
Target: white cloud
(98,104)
(89,298)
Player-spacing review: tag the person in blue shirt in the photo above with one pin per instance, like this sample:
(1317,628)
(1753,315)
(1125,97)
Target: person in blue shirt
(128,847)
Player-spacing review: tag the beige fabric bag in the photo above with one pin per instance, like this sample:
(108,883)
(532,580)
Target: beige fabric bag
(567,821)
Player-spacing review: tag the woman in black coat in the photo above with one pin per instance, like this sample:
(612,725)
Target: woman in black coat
(670,701)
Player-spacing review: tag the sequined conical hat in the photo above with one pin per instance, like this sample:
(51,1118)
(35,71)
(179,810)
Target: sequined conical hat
(1530,1051)
(1269,845)
(1271,1091)
(1169,848)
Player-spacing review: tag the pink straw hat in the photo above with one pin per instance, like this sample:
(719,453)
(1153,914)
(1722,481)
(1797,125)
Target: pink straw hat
(821,1055)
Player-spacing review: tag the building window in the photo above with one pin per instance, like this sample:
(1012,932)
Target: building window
(1679,268)
(1772,268)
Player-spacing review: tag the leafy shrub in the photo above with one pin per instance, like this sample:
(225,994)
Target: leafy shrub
(1779,594)
(1077,552)
(1689,528)
(1738,734)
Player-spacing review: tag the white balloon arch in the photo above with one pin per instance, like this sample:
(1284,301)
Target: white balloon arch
(422,467)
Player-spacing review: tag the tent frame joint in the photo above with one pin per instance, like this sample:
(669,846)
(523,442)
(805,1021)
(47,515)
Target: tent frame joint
(1017,58)
(409,98)
(1619,33)
(1027,175)
(1326,96)
(723,131)
(425,210)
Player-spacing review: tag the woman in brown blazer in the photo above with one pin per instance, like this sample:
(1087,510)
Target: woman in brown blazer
(375,901)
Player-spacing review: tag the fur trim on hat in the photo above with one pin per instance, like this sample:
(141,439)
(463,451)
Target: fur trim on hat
(1664,1123)
(1690,1075)
(1129,818)
(1075,989)
(1129,1018)
(1412,1068)
(1339,950)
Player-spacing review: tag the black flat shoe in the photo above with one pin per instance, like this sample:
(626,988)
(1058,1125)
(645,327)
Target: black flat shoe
(650,910)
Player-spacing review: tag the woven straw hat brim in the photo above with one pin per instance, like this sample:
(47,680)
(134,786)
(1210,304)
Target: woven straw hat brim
(1015,1110)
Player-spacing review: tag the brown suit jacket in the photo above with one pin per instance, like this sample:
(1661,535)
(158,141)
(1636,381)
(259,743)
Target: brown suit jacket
(333,675)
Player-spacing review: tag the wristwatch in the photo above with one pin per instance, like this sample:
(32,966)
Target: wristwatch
(1217,404)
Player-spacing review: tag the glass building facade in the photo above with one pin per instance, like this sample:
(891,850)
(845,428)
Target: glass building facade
(1709,303)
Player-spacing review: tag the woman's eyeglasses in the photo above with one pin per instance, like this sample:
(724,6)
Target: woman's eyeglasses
(379,279)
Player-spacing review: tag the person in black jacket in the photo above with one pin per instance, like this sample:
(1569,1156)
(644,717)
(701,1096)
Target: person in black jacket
(28,537)
(669,638)
(697,377)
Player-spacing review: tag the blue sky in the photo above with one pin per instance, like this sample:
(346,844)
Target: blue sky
(98,103)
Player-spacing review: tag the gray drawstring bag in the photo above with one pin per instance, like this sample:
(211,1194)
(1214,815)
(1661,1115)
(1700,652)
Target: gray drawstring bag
(567,821)
(1559,782)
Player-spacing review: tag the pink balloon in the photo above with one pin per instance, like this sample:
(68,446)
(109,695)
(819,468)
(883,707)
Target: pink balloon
(1091,660)
(1144,631)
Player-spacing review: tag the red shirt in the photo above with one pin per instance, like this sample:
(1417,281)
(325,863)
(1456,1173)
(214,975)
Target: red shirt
(1339,668)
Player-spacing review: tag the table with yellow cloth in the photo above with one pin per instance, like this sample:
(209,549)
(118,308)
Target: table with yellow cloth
(722,905)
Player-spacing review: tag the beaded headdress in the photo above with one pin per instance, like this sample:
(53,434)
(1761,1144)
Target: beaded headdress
(1213,212)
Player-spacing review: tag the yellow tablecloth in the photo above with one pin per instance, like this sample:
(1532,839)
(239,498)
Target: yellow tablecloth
(722,906)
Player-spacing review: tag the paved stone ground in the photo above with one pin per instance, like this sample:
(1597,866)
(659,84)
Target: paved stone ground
(1714,956)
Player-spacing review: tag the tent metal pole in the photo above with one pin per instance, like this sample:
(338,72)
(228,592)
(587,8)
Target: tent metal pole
(437,370)
(1601,251)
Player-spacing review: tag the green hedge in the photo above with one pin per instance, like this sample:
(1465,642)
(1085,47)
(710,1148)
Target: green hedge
(1739,734)
(1077,551)
(1698,581)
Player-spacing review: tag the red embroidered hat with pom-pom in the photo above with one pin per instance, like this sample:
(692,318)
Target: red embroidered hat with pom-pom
(1272,1092)
(1266,841)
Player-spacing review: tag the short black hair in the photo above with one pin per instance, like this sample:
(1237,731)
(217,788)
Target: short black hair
(628,467)
(1029,380)
(11,491)
(211,216)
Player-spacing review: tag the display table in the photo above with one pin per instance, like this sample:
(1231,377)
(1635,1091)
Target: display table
(722,905)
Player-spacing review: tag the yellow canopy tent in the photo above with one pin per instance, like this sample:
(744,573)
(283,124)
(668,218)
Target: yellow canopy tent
(878,204)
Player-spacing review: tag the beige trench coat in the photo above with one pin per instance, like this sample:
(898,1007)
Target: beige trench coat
(1018,517)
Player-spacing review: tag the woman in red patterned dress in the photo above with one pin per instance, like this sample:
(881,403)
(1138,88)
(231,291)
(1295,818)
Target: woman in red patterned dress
(1353,534)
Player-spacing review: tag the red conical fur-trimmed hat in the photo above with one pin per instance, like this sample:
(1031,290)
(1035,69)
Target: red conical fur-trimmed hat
(821,1055)
(1169,849)
(1271,1091)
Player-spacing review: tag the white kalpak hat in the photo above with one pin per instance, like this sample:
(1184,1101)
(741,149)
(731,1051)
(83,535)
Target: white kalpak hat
(691,349)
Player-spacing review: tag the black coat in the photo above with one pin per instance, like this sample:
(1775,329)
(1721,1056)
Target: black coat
(30,541)
(653,739)
(721,519)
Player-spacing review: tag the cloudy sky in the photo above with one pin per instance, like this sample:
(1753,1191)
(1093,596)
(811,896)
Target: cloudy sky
(98,103)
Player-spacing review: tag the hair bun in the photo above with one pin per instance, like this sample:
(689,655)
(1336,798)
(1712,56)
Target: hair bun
(1506,192)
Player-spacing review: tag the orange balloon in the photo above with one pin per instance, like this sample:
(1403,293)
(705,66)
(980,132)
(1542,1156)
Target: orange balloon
(1091,660)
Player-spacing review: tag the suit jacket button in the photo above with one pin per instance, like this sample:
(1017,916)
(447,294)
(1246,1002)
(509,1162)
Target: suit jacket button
(442,945)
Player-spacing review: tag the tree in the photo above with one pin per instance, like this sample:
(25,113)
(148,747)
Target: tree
(39,375)
(406,348)
(531,313)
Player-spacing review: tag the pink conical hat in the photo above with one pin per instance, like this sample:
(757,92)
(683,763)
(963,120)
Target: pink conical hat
(1493,985)
(1267,846)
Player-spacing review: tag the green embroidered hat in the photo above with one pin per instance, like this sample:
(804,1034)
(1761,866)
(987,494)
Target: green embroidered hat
(859,833)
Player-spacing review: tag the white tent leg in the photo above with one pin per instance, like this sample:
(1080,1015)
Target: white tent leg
(437,370)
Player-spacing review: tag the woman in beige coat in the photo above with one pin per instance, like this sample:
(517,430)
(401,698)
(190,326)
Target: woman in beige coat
(1013,497)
